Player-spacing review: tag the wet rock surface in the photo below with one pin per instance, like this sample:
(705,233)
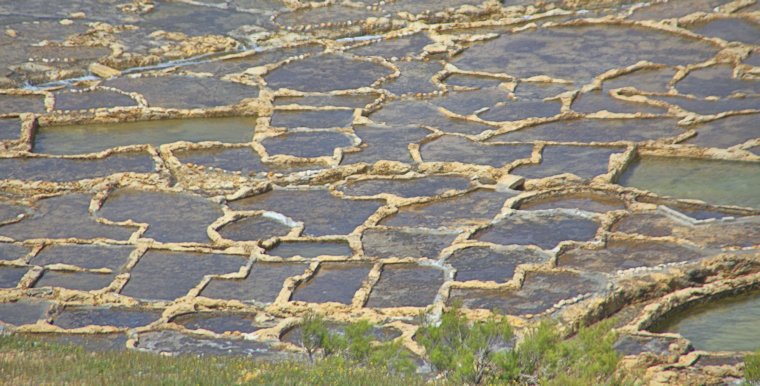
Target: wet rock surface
(333,282)
(398,281)
(487,264)
(120,318)
(542,231)
(540,293)
(218,323)
(262,284)
(176,174)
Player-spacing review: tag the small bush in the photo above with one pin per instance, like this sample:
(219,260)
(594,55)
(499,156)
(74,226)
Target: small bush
(356,345)
(314,335)
(752,367)
(468,353)
(465,352)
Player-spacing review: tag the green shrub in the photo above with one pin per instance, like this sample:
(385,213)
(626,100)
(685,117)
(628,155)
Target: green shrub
(545,357)
(752,367)
(314,334)
(359,340)
(357,345)
(466,352)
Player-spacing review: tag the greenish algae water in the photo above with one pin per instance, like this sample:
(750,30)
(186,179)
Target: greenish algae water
(715,182)
(90,138)
(730,324)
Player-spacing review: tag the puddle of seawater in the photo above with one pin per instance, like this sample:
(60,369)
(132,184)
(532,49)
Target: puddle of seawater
(743,232)
(601,101)
(730,29)
(176,343)
(646,80)
(333,282)
(583,161)
(718,360)
(415,187)
(307,144)
(399,48)
(538,91)
(333,13)
(219,323)
(713,181)
(262,285)
(17,104)
(635,345)
(259,58)
(94,137)
(471,101)
(651,224)
(728,324)
(675,9)
(416,77)
(63,217)
(753,59)
(382,143)
(193,19)
(185,92)
(622,255)
(422,113)
(463,210)
(66,169)
(77,317)
(325,73)
(11,212)
(162,275)
(59,10)
(458,149)
(10,251)
(539,292)
(386,243)
(431,7)
(159,210)
(467,80)
(319,119)
(349,100)
(382,334)
(716,81)
(96,99)
(522,109)
(545,232)
(253,228)
(486,264)
(23,312)
(326,214)
(596,130)
(560,52)
(310,249)
(727,132)
(699,212)
(240,159)
(406,285)
(10,129)
(710,106)
(494,104)
(80,281)
(84,256)
(10,276)
(589,202)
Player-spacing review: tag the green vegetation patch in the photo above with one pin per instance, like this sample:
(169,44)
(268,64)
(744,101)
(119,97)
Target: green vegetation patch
(460,351)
